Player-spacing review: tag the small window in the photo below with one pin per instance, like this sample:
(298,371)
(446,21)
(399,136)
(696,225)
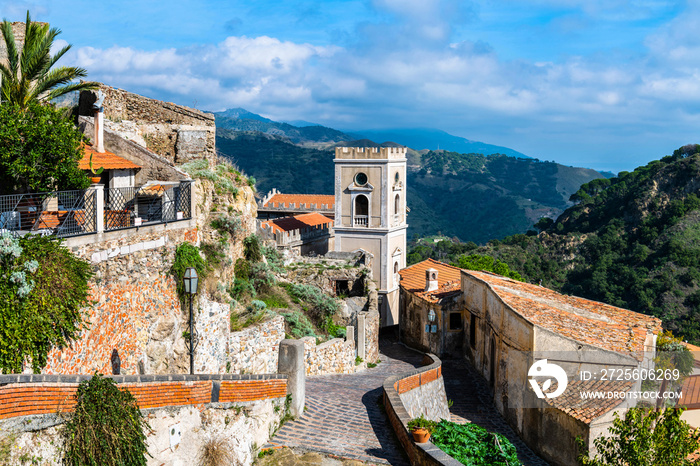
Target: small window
(396,267)
(361,179)
(472,331)
(455,321)
(396,177)
(397,205)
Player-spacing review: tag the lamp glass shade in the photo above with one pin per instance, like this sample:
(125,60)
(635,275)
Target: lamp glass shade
(431,316)
(190,280)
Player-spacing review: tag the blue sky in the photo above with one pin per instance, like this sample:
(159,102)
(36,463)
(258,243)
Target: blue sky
(607,84)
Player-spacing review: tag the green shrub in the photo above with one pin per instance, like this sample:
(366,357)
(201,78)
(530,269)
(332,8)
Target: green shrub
(323,304)
(300,324)
(473,445)
(242,269)
(251,248)
(187,255)
(227,226)
(43,288)
(261,277)
(241,289)
(106,428)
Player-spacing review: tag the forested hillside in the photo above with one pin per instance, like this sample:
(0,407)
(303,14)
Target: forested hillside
(471,196)
(631,241)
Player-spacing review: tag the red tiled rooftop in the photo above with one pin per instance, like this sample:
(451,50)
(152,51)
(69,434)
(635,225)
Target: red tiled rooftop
(449,280)
(286,200)
(298,222)
(583,320)
(583,409)
(107,160)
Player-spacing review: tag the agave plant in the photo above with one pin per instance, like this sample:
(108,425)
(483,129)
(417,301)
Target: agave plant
(27,76)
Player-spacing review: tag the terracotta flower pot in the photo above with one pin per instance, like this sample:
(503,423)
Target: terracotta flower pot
(95,179)
(420,435)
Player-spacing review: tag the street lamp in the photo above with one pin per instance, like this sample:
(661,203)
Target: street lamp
(190,282)
(430,328)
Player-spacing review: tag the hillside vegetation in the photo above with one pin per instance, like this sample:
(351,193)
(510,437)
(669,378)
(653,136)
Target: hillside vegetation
(470,196)
(631,241)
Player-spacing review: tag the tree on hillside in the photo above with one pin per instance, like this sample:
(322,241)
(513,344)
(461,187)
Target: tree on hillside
(645,438)
(39,150)
(27,76)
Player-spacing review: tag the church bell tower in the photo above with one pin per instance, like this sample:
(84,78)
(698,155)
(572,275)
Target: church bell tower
(370,214)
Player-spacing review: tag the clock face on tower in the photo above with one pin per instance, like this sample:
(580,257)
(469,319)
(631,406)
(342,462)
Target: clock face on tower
(360,179)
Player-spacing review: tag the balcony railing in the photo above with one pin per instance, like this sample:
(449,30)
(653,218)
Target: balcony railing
(361,221)
(151,204)
(72,213)
(60,213)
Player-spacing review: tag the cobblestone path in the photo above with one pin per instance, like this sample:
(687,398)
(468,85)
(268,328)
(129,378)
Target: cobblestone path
(344,417)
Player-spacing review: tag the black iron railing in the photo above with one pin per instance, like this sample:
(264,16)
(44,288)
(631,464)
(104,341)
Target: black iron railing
(60,213)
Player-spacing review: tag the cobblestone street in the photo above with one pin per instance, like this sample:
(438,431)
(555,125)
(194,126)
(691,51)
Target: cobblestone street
(344,417)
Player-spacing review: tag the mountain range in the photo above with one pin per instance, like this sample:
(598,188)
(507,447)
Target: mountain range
(471,196)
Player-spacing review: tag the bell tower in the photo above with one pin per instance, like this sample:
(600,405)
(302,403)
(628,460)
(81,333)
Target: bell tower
(370,214)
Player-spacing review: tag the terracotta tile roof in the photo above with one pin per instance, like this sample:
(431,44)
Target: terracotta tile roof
(449,280)
(691,392)
(696,353)
(597,324)
(586,410)
(286,200)
(107,160)
(298,222)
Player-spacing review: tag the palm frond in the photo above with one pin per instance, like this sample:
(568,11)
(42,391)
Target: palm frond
(58,92)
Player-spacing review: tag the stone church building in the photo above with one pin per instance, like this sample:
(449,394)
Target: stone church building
(368,213)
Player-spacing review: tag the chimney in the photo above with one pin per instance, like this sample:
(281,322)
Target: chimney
(99,122)
(431,280)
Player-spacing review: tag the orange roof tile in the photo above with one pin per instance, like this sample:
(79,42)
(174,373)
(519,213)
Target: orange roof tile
(586,409)
(598,324)
(449,280)
(107,160)
(286,200)
(298,222)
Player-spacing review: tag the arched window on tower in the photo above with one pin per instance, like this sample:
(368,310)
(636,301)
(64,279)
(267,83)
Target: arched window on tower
(397,209)
(397,277)
(361,211)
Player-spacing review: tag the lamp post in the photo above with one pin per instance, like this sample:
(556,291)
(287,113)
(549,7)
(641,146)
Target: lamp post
(190,282)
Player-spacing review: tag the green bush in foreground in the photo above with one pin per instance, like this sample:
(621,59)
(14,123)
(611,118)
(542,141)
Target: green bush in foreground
(106,428)
(473,445)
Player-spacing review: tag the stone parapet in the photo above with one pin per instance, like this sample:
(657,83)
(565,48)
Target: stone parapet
(336,356)
(415,393)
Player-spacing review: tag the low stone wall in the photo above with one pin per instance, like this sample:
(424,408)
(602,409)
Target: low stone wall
(255,350)
(336,356)
(409,395)
(242,410)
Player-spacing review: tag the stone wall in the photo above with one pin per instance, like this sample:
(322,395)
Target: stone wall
(336,356)
(255,350)
(421,391)
(242,410)
(136,310)
(176,132)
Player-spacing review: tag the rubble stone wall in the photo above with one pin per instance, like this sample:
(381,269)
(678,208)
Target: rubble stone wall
(173,131)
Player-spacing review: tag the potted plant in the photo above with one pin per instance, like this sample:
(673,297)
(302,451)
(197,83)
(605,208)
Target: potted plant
(95,178)
(421,428)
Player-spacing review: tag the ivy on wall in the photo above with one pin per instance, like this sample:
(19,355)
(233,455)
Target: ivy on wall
(43,287)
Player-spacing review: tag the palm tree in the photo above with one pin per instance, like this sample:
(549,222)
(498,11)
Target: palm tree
(27,76)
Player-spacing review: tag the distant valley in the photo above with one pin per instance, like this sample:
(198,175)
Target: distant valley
(470,196)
